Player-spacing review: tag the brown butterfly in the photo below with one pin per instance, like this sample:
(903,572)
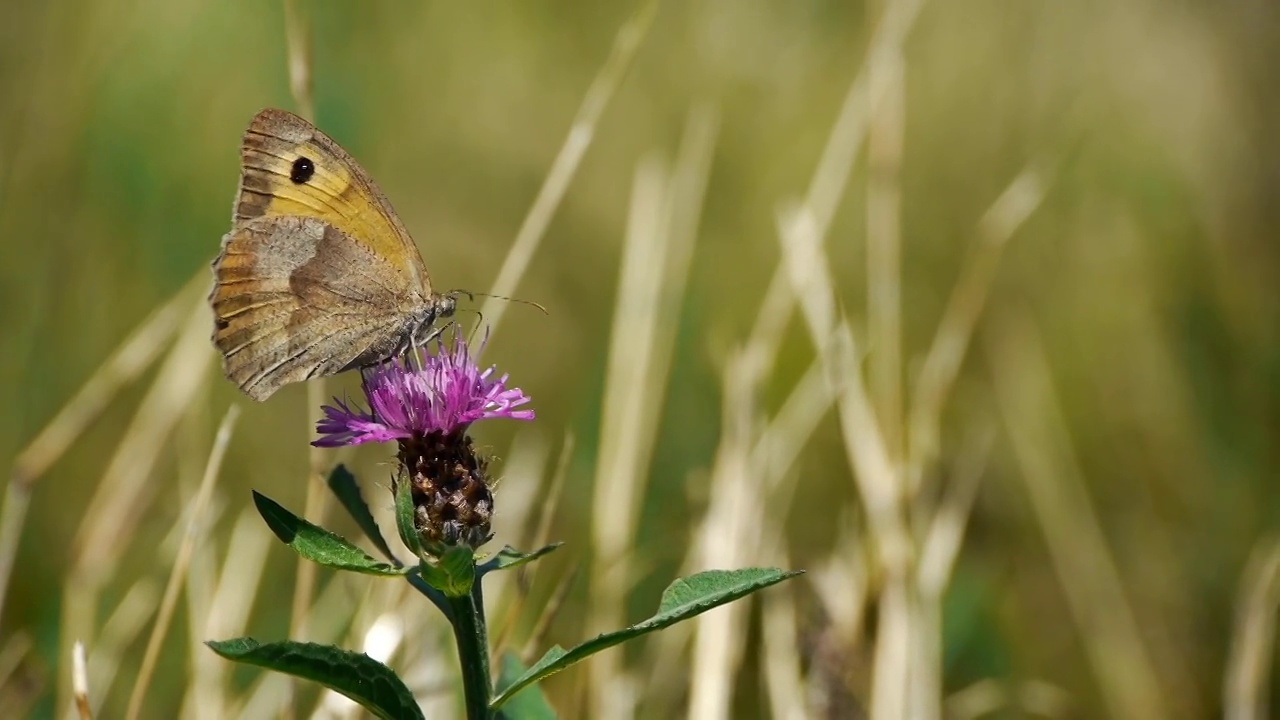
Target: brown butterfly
(318,275)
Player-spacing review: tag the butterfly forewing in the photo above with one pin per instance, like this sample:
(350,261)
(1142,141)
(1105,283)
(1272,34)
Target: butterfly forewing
(290,168)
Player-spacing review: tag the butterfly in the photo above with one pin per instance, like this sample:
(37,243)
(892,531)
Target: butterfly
(318,275)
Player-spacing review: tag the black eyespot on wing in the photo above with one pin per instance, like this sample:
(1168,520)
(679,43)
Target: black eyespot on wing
(302,170)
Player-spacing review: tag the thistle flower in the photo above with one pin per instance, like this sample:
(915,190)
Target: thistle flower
(439,393)
(426,402)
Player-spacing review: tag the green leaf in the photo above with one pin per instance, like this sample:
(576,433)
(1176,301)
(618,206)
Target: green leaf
(684,599)
(355,675)
(344,486)
(405,517)
(528,704)
(509,557)
(317,544)
(453,573)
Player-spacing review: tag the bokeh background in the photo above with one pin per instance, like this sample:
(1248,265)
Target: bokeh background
(1065,507)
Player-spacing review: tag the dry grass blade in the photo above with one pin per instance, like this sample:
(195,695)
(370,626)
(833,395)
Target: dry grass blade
(784,438)
(727,535)
(80,681)
(266,700)
(121,629)
(661,233)
(114,509)
(298,41)
(945,533)
(803,227)
(565,166)
(839,155)
(872,431)
(747,479)
(524,485)
(542,534)
(803,232)
(18,704)
(771,324)
(780,649)
(228,607)
(886,75)
(772,453)
(747,474)
(806,265)
(964,307)
(170,599)
(1086,570)
(1245,694)
(877,482)
(121,367)
(943,537)
(128,361)
(551,498)
(15,650)
(331,613)
(628,413)
(315,508)
(124,493)
(985,697)
(430,668)
(841,151)
(200,580)
(944,530)
(549,611)
(842,584)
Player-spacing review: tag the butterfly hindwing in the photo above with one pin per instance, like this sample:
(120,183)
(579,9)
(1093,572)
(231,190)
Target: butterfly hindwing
(294,298)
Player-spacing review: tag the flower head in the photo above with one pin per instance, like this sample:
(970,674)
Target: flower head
(421,394)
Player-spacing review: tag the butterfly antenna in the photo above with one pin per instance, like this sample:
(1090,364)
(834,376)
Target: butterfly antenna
(474,295)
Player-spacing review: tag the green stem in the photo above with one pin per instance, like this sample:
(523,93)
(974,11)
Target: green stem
(473,651)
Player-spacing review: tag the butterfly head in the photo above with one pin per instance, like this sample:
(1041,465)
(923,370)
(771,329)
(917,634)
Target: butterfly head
(447,303)
(427,325)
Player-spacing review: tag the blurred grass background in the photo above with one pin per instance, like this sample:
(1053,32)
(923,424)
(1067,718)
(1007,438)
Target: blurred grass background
(1119,399)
